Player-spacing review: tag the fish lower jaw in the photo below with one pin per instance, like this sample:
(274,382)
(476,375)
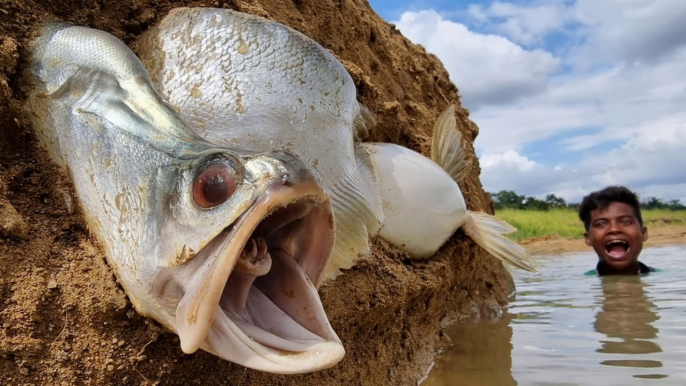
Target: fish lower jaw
(277,318)
(250,295)
(277,349)
(228,337)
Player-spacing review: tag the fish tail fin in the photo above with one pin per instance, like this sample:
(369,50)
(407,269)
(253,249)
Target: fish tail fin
(358,211)
(488,231)
(446,145)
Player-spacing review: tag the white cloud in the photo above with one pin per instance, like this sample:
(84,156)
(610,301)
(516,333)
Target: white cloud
(524,25)
(671,191)
(653,156)
(619,102)
(477,12)
(615,94)
(509,159)
(488,69)
(651,162)
(510,170)
(637,30)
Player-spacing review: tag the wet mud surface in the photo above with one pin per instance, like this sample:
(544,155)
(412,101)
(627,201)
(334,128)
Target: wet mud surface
(65,320)
(554,244)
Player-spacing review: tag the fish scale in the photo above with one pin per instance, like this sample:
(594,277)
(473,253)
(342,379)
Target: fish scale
(141,167)
(138,173)
(293,91)
(283,91)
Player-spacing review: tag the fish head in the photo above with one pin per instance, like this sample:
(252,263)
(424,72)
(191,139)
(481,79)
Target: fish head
(222,245)
(243,244)
(258,84)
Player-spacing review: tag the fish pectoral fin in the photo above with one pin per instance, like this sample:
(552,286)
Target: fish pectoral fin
(446,145)
(370,184)
(358,210)
(488,232)
(363,123)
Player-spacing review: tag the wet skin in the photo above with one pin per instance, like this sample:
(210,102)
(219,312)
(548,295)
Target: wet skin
(617,238)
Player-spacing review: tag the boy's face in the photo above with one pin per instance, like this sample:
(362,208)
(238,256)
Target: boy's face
(616,236)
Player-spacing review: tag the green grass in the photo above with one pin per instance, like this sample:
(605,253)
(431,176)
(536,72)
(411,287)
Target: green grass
(663,217)
(566,223)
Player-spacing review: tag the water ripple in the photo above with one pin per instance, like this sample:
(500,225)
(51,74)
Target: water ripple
(564,328)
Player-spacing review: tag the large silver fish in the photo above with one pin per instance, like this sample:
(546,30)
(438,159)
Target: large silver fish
(238,79)
(224,246)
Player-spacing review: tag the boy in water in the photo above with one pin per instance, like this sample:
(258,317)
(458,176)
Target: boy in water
(614,228)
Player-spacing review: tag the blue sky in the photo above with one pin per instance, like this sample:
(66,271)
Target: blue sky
(570,95)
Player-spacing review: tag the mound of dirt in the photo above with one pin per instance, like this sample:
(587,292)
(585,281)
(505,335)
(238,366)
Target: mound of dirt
(65,320)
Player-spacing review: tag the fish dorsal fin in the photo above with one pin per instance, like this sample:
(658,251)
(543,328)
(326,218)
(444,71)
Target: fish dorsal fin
(114,87)
(146,118)
(446,145)
(486,230)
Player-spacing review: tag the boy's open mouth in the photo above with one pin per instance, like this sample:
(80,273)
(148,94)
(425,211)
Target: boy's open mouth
(617,249)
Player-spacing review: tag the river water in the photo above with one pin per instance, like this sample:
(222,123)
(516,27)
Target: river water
(564,328)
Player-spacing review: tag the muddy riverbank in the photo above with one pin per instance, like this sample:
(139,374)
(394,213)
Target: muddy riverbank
(553,244)
(65,320)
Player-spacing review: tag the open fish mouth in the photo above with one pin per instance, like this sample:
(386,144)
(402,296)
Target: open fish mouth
(250,296)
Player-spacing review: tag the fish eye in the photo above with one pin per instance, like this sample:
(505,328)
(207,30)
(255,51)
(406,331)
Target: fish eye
(214,184)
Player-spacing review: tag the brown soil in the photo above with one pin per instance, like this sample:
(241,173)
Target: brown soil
(552,244)
(65,320)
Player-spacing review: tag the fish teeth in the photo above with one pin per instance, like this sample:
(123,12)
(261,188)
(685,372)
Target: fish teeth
(261,246)
(255,259)
(249,252)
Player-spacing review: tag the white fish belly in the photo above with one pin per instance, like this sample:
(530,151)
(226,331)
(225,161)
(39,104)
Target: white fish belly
(422,205)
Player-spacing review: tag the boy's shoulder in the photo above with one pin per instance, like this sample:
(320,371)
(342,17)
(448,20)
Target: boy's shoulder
(642,270)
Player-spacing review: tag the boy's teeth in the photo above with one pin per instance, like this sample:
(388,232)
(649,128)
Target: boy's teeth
(617,248)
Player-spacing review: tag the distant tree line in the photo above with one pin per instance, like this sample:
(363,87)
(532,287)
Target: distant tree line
(509,199)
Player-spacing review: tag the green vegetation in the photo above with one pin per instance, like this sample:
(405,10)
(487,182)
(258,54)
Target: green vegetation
(553,216)
(565,222)
(660,217)
(509,199)
(537,223)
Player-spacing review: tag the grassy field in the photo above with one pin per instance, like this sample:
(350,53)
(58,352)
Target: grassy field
(566,223)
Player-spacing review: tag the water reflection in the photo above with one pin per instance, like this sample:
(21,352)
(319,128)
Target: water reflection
(565,328)
(479,356)
(627,316)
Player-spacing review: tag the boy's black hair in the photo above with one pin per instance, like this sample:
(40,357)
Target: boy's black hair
(603,198)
